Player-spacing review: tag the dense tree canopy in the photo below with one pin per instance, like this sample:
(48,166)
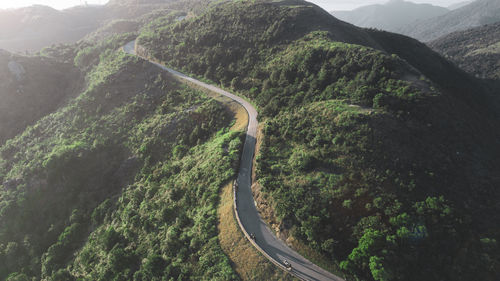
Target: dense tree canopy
(118,184)
(363,158)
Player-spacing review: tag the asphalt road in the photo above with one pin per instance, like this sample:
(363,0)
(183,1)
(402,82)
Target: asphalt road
(273,247)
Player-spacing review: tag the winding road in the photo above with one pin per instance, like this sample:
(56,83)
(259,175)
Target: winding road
(248,217)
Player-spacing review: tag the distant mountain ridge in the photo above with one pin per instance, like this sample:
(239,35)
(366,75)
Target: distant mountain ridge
(33,28)
(390,16)
(459,5)
(475,50)
(478,13)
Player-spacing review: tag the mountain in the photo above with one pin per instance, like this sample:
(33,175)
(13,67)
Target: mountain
(33,28)
(459,5)
(75,178)
(477,13)
(390,16)
(376,152)
(377,158)
(101,134)
(475,50)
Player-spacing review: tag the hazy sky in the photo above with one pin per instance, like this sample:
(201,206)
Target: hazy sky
(331,5)
(58,4)
(328,5)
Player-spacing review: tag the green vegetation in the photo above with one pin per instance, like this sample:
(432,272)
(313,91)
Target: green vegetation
(164,224)
(355,193)
(376,152)
(42,86)
(119,184)
(89,55)
(363,158)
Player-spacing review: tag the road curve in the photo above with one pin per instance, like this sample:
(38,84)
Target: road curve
(248,217)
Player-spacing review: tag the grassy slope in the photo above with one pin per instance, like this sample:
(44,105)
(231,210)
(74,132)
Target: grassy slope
(399,186)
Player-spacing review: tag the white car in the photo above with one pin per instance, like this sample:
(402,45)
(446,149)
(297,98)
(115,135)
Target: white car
(287,265)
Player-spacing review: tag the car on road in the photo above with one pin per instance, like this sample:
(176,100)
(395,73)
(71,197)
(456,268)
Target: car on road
(287,265)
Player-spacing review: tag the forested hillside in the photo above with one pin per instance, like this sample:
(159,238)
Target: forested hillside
(118,184)
(475,50)
(30,88)
(376,152)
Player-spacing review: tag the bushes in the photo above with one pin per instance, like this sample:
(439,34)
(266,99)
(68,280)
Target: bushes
(122,129)
(277,74)
(327,174)
(110,238)
(167,222)
(356,143)
(89,55)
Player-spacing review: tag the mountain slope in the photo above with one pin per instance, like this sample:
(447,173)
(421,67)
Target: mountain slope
(376,152)
(479,12)
(390,16)
(118,184)
(475,50)
(30,88)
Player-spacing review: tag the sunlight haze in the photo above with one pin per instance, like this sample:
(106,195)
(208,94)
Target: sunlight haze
(58,4)
(341,5)
(329,5)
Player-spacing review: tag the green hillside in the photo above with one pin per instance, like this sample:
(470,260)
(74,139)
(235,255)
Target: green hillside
(119,183)
(30,88)
(376,152)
